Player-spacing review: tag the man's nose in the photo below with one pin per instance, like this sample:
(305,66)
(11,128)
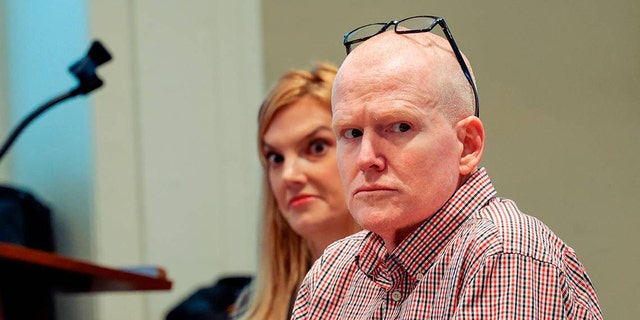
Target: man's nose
(369,156)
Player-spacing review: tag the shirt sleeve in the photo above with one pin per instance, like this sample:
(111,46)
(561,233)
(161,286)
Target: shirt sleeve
(301,306)
(516,286)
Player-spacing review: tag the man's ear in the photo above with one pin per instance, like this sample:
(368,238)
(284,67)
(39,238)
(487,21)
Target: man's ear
(470,133)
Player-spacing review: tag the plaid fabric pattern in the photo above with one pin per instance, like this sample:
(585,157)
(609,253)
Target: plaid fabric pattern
(478,257)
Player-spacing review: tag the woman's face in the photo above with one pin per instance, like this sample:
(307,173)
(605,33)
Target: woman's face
(300,149)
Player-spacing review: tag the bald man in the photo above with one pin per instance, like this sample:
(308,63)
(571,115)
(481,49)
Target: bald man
(438,243)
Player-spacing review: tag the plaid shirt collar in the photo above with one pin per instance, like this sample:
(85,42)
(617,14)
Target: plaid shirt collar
(417,252)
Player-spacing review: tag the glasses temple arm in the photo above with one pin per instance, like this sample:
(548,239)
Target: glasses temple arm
(463,65)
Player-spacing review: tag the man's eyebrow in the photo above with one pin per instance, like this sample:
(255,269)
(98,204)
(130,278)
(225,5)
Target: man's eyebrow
(337,120)
(338,123)
(398,112)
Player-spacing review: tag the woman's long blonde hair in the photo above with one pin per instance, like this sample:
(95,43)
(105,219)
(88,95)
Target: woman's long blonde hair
(284,257)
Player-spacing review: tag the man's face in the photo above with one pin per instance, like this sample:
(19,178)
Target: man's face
(398,155)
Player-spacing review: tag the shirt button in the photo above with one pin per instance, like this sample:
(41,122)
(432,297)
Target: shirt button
(396,296)
(419,276)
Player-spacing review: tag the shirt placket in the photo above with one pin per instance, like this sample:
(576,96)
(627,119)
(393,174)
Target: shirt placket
(396,291)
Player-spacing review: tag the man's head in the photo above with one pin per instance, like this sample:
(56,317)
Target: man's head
(407,137)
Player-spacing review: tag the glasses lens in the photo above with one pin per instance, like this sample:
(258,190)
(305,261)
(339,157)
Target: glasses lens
(357,36)
(417,24)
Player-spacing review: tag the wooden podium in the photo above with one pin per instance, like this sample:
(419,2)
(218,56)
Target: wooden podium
(28,278)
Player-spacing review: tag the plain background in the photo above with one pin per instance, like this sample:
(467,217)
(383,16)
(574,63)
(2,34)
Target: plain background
(175,176)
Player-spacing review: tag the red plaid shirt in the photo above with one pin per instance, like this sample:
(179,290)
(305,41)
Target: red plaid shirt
(478,257)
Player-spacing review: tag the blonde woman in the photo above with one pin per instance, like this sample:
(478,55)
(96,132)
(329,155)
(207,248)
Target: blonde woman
(304,208)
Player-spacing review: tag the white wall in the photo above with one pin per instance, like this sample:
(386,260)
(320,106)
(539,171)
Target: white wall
(177,176)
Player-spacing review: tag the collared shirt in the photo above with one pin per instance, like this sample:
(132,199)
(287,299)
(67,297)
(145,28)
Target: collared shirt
(478,257)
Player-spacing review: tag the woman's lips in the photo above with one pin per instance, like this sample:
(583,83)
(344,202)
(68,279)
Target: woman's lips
(300,200)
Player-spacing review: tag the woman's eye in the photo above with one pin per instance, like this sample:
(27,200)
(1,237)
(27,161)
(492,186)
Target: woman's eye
(401,127)
(318,147)
(274,158)
(352,133)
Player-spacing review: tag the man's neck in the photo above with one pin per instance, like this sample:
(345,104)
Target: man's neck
(397,236)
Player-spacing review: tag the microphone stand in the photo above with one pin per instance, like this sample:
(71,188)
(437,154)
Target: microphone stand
(85,71)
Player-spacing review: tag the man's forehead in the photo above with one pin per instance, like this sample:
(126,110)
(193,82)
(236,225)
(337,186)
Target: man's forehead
(385,87)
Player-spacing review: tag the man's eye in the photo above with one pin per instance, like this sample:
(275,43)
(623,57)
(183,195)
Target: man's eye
(401,127)
(352,133)
(274,158)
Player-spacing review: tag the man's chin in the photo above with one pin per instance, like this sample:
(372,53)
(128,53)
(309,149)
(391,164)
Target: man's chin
(373,220)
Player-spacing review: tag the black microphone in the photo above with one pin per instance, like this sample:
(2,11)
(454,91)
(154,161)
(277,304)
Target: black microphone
(85,71)
(85,68)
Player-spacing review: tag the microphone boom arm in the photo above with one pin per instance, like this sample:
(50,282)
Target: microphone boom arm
(85,71)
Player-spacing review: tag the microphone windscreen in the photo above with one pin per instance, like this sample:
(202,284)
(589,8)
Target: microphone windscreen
(98,53)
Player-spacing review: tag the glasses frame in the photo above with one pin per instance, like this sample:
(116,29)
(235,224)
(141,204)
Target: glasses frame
(436,21)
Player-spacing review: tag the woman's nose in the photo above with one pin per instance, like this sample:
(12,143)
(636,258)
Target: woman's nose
(293,172)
